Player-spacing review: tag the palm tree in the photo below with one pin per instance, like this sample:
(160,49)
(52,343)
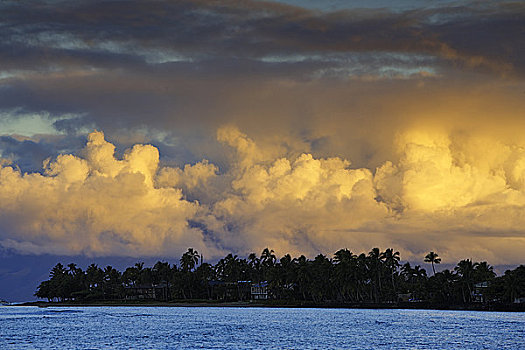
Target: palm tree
(511,284)
(189,260)
(204,274)
(255,267)
(391,260)
(268,257)
(363,278)
(58,281)
(304,275)
(130,276)
(287,270)
(465,270)
(320,288)
(419,273)
(442,286)
(375,269)
(345,272)
(267,260)
(281,277)
(407,272)
(162,273)
(483,272)
(44,291)
(74,280)
(433,259)
(93,278)
(228,268)
(57,271)
(415,278)
(419,277)
(112,282)
(73,270)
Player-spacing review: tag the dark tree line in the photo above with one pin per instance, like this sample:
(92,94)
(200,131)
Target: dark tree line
(376,277)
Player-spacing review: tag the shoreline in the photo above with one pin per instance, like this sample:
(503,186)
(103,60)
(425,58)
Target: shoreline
(247,304)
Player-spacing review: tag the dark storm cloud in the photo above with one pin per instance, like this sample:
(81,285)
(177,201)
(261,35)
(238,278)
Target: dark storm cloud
(29,153)
(98,33)
(187,67)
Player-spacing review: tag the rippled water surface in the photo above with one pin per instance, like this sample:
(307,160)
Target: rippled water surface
(256,328)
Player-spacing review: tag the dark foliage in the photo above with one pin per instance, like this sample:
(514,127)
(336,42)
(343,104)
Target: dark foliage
(376,277)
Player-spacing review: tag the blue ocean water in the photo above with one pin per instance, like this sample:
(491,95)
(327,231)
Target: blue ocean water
(256,328)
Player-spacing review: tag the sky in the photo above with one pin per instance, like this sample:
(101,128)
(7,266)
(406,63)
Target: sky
(136,129)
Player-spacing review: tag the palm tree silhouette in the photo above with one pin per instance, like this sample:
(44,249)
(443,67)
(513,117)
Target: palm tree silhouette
(345,273)
(189,260)
(391,260)
(465,269)
(433,259)
(375,269)
(268,257)
(347,277)
(304,276)
(255,267)
(483,272)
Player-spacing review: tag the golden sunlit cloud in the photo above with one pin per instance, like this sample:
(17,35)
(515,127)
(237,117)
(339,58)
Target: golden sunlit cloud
(95,205)
(441,193)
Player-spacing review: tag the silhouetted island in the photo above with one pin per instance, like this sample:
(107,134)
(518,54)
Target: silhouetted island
(373,280)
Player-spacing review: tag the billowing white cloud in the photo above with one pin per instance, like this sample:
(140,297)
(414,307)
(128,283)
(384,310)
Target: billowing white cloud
(96,205)
(429,176)
(459,194)
(294,204)
(462,194)
(442,192)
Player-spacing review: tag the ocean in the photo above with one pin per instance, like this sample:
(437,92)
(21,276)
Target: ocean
(256,328)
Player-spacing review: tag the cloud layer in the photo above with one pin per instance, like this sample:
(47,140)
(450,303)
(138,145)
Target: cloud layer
(95,204)
(196,65)
(437,196)
(236,125)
